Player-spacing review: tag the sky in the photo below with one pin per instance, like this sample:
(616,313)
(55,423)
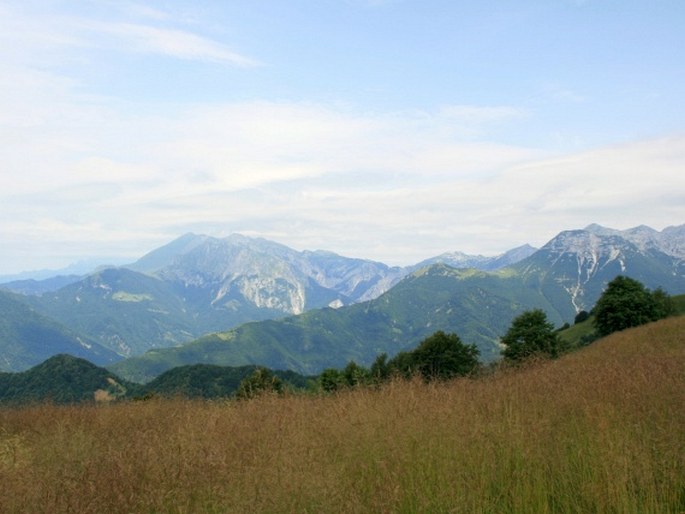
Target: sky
(392,130)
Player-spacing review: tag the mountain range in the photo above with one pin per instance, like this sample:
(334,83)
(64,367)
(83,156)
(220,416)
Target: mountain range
(199,284)
(271,305)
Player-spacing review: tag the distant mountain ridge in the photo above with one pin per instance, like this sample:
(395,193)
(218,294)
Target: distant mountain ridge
(38,287)
(670,240)
(199,284)
(565,276)
(265,273)
(582,262)
(462,260)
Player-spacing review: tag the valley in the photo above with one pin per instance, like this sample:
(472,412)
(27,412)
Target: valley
(243,301)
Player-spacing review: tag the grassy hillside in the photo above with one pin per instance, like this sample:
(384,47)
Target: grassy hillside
(582,333)
(577,333)
(599,430)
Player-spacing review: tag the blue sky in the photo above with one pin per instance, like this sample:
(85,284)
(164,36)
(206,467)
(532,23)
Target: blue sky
(386,129)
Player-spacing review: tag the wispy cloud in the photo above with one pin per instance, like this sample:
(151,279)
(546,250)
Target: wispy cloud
(312,175)
(134,28)
(483,114)
(84,173)
(171,42)
(139,10)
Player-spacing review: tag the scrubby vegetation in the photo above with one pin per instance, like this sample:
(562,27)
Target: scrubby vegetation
(598,430)
(440,356)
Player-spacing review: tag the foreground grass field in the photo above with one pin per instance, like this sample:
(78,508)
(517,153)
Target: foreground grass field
(600,430)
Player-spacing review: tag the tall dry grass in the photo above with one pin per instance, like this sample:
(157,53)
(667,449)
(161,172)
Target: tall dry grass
(601,430)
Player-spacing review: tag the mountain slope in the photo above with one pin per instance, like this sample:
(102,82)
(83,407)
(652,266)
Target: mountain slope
(125,311)
(39,287)
(577,264)
(130,312)
(198,284)
(478,306)
(28,338)
(565,276)
(265,273)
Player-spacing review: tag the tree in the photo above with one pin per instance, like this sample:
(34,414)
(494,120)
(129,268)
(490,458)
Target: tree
(530,334)
(580,317)
(331,380)
(402,364)
(380,371)
(627,303)
(663,304)
(261,381)
(444,356)
(355,375)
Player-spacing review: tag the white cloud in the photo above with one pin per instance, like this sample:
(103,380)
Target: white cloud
(258,165)
(395,187)
(170,42)
(392,186)
(84,175)
(40,35)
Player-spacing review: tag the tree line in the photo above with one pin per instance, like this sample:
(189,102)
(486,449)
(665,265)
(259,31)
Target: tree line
(625,303)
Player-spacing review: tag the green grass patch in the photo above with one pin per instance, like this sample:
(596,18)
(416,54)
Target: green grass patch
(575,334)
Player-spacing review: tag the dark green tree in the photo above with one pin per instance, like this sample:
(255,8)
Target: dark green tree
(627,303)
(331,380)
(380,371)
(530,334)
(444,356)
(355,375)
(580,317)
(260,382)
(663,304)
(402,364)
